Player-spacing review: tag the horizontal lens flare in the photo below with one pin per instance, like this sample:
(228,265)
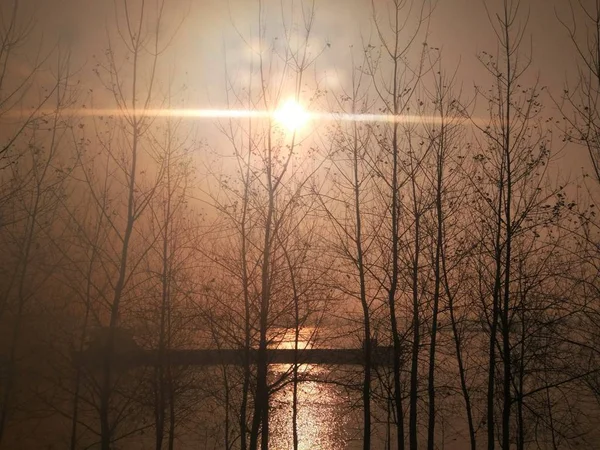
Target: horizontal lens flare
(291,115)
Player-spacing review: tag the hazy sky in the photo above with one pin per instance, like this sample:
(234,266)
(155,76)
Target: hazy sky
(460,27)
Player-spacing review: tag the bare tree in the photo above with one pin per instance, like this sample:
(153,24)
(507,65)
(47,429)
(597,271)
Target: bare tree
(508,185)
(39,178)
(16,88)
(582,118)
(444,128)
(170,262)
(346,207)
(127,147)
(395,80)
(259,200)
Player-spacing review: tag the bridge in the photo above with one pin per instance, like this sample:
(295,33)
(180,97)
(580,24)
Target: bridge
(127,353)
(381,356)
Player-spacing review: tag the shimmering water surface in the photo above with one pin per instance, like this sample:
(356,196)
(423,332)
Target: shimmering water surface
(324,418)
(322,422)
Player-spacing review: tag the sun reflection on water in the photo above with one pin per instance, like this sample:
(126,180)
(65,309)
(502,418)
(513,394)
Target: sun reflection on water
(321,420)
(321,423)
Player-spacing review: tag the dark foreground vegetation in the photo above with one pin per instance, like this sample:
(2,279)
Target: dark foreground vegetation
(423,219)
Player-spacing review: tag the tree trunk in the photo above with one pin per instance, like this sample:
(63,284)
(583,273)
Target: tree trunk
(437,275)
(414,370)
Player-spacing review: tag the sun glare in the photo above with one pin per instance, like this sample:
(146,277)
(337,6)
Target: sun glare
(291,115)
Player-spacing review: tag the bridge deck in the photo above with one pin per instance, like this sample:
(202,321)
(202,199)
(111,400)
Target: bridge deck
(212,357)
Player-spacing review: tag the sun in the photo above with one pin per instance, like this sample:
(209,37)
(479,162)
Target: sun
(291,115)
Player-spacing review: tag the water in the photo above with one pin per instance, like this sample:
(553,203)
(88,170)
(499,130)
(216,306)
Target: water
(322,420)
(325,419)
